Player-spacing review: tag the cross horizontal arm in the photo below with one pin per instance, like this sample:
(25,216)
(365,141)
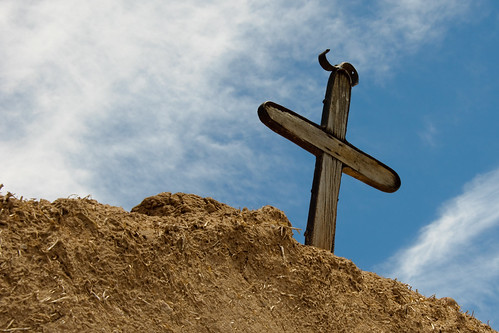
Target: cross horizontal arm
(316,140)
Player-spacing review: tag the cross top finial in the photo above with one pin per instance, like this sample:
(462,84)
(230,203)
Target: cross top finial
(348,67)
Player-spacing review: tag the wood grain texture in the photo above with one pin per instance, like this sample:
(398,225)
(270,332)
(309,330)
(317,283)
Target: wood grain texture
(334,155)
(314,139)
(321,226)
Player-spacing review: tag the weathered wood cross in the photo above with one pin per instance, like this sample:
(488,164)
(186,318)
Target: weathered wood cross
(334,154)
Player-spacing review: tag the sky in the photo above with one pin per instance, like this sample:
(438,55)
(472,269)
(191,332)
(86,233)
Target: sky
(121,100)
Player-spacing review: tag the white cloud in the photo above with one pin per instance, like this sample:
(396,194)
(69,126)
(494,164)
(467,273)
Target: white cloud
(457,255)
(116,97)
(429,133)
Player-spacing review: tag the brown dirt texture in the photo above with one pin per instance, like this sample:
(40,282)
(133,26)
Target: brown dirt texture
(182,263)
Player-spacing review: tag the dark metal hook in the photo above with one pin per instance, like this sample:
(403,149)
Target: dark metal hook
(324,62)
(352,72)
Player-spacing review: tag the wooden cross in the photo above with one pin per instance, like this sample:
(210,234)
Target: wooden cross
(334,154)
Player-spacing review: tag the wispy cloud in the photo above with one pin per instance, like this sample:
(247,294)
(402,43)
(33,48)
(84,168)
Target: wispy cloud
(429,133)
(122,99)
(457,255)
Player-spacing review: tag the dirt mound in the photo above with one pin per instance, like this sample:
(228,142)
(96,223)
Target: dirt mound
(182,263)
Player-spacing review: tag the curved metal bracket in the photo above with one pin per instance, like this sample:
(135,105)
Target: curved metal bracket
(352,72)
(324,62)
(326,65)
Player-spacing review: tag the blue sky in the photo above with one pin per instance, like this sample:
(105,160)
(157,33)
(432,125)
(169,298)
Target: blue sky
(122,100)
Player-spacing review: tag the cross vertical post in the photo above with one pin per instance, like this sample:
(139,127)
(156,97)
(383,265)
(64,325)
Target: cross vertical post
(321,226)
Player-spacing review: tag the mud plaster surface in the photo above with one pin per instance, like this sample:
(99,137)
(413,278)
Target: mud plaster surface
(182,263)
